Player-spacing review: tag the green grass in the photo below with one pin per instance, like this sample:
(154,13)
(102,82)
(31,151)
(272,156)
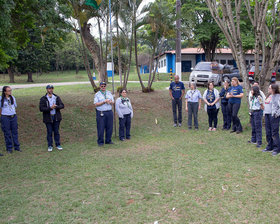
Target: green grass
(208,177)
(71,76)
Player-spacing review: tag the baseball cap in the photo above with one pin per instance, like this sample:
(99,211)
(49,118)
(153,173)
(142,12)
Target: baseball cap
(49,87)
(102,83)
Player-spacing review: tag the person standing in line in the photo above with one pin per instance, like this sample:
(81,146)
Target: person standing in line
(235,95)
(193,105)
(50,105)
(224,105)
(103,102)
(9,122)
(176,92)
(211,98)
(268,121)
(275,118)
(125,112)
(256,102)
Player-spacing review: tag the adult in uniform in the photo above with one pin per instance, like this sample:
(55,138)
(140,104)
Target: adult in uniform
(9,123)
(50,105)
(176,92)
(103,101)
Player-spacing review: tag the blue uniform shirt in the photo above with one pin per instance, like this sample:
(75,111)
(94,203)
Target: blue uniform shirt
(235,90)
(223,95)
(52,101)
(177,89)
(193,96)
(101,97)
(210,97)
(8,109)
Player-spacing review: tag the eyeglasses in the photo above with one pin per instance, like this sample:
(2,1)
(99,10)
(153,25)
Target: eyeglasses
(102,86)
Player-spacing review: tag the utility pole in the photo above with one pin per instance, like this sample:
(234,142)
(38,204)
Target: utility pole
(178,40)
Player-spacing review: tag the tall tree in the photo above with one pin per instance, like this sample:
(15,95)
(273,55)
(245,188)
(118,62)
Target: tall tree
(264,16)
(197,20)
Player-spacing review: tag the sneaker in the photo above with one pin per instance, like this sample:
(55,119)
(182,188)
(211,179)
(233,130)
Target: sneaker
(174,125)
(179,125)
(210,129)
(50,148)
(238,132)
(214,129)
(275,153)
(196,129)
(250,142)
(121,139)
(190,128)
(19,150)
(232,131)
(258,146)
(266,150)
(59,147)
(109,143)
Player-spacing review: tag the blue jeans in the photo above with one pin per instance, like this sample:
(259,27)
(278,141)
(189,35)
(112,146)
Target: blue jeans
(9,127)
(275,133)
(226,116)
(256,123)
(268,131)
(233,110)
(53,128)
(125,123)
(104,122)
(177,103)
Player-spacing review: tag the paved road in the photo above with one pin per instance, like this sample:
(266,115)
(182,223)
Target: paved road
(23,86)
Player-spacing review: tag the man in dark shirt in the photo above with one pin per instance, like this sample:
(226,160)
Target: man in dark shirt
(176,92)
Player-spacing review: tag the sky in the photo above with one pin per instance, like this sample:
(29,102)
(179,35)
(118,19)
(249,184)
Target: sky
(94,30)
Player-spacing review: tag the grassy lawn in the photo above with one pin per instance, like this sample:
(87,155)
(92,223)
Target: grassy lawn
(71,76)
(165,174)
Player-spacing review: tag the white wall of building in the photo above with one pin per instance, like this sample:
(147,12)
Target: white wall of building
(162,64)
(189,57)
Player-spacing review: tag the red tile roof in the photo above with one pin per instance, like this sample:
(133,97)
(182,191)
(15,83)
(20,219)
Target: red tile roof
(201,51)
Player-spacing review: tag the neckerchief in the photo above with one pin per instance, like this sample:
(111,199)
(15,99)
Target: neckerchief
(126,101)
(104,94)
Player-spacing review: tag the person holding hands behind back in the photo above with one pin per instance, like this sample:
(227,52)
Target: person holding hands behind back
(125,112)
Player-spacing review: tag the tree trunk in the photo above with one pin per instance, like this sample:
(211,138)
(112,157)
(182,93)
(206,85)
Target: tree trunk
(129,62)
(11,75)
(101,48)
(94,49)
(107,42)
(29,77)
(119,50)
(135,50)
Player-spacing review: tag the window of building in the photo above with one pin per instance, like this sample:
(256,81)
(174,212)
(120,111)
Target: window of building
(223,62)
(230,62)
(247,62)
(164,62)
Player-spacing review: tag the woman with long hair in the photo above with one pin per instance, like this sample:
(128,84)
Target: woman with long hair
(125,112)
(235,95)
(275,118)
(211,98)
(224,105)
(256,102)
(268,121)
(9,123)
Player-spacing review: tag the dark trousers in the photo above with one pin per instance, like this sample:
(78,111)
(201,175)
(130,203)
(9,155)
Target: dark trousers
(53,131)
(192,112)
(226,116)
(125,123)
(275,133)
(233,110)
(104,122)
(177,103)
(212,117)
(256,123)
(9,127)
(268,131)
